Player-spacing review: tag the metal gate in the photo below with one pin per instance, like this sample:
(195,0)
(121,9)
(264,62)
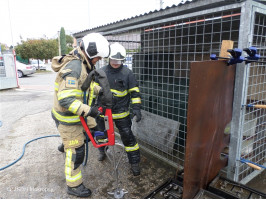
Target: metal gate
(248,128)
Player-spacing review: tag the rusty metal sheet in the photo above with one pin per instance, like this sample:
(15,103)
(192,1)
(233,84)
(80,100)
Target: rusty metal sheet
(209,111)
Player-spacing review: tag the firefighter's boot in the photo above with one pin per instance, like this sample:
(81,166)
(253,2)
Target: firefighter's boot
(61,148)
(102,154)
(79,191)
(135,169)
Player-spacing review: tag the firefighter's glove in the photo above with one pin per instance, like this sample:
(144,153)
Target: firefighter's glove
(94,112)
(137,113)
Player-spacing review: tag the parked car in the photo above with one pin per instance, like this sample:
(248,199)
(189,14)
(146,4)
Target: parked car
(1,60)
(41,65)
(2,66)
(24,70)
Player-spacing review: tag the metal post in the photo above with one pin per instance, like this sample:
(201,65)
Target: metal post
(89,14)
(253,146)
(161,4)
(241,82)
(59,45)
(10,23)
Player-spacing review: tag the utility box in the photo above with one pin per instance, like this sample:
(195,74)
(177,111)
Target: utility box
(8,72)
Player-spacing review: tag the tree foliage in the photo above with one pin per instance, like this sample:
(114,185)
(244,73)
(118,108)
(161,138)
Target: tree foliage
(3,47)
(69,43)
(63,41)
(42,48)
(69,40)
(37,49)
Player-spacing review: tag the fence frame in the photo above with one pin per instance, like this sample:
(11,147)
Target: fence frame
(249,8)
(245,39)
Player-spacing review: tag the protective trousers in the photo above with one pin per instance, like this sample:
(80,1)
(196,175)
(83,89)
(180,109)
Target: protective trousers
(73,140)
(127,137)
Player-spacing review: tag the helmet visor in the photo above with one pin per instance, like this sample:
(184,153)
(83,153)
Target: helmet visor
(116,62)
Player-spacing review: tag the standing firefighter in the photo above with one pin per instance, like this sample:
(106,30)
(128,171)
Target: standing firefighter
(125,90)
(72,71)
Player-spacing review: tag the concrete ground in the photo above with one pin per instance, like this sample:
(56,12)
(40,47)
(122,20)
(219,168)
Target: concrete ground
(259,182)
(25,115)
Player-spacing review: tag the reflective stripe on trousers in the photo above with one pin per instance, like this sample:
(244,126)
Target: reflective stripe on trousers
(134,148)
(73,177)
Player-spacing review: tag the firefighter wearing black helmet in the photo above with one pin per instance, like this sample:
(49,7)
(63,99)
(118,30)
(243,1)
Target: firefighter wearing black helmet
(125,91)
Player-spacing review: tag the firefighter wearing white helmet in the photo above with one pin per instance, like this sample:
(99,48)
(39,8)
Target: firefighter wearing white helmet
(118,52)
(95,45)
(69,104)
(125,90)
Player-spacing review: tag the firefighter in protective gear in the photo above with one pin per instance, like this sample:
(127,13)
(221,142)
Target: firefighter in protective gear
(72,71)
(125,89)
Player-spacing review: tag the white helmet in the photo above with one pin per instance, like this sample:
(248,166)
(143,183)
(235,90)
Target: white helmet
(95,45)
(118,52)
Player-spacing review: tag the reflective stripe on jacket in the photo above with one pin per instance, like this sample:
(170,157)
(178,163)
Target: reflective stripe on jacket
(125,90)
(68,97)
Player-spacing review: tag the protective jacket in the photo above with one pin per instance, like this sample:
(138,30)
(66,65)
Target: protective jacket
(73,70)
(125,89)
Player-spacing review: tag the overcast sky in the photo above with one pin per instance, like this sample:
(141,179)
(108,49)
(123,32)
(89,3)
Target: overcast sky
(44,18)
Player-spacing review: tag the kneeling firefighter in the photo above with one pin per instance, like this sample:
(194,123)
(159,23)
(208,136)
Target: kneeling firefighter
(125,89)
(72,72)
